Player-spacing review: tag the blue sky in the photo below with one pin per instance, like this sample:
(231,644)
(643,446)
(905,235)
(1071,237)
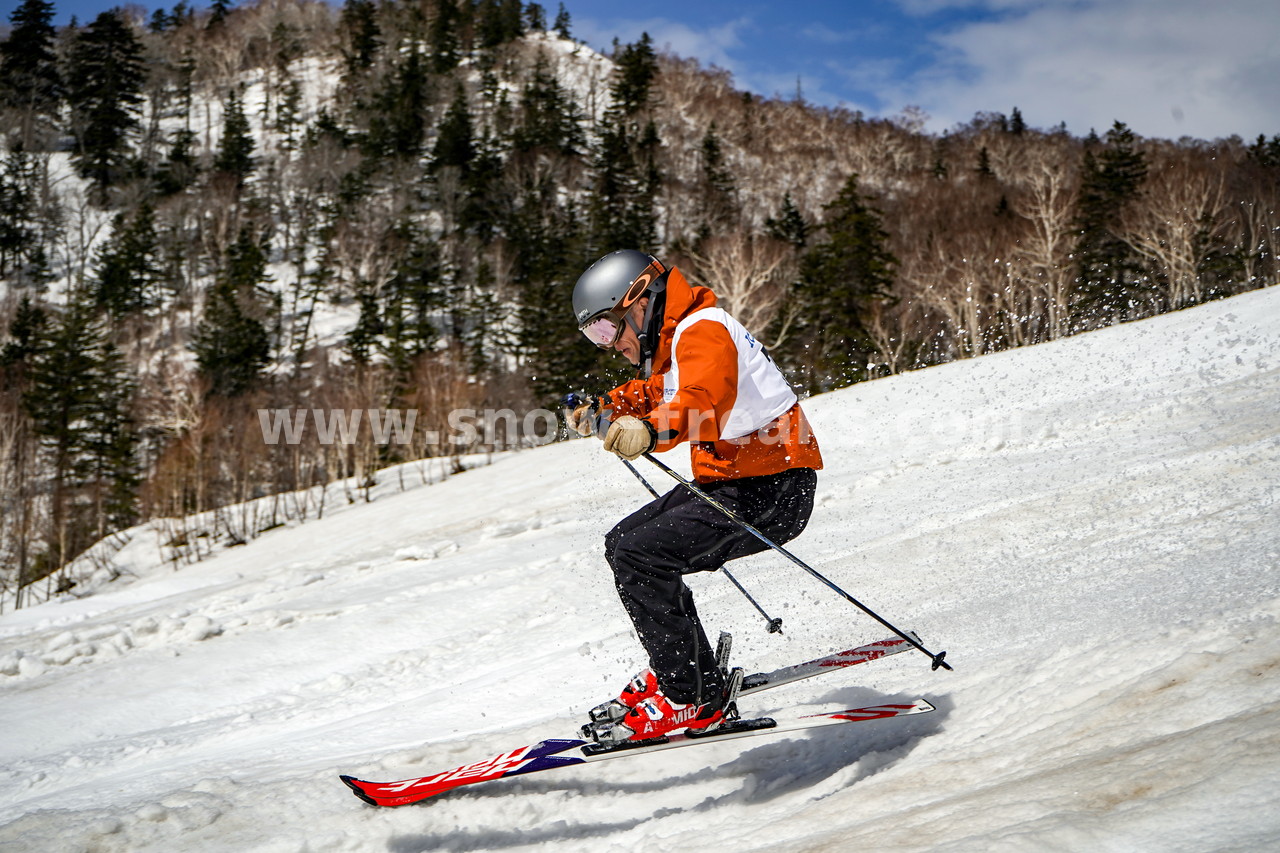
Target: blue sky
(1168,68)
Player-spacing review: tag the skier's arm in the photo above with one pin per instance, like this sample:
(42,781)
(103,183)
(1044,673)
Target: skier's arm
(637,397)
(708,386)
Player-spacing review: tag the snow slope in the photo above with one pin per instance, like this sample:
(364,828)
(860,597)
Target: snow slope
(1089,527)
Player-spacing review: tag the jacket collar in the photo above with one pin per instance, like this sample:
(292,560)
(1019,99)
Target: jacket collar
(683,299)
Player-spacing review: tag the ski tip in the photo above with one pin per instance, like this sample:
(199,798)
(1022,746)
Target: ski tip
(354,784)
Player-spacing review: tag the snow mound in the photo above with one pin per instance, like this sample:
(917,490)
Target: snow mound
(1088,527)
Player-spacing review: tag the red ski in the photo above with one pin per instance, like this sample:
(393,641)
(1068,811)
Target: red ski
(550,754)
(839,660)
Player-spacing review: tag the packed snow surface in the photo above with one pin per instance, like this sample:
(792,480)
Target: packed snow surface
(1090,528)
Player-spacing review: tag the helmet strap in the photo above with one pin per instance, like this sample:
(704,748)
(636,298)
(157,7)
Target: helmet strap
(635,327)
(657,305)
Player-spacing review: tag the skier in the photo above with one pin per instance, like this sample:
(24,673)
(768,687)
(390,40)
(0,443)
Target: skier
(701,378)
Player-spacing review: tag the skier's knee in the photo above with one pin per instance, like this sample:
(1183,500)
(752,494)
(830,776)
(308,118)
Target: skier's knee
(611,540)
(627,553)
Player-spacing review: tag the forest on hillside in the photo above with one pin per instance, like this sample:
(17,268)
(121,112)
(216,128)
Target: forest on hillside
(212,215)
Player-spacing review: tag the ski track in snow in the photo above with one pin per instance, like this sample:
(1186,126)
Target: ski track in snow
(1089,528)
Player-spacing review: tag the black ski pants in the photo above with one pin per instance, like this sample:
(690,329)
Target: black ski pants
(680,533)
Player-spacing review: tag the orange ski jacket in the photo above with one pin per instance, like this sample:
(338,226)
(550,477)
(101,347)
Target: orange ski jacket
(712,384)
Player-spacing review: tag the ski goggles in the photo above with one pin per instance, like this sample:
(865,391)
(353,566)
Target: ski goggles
(604,331)
(605,328)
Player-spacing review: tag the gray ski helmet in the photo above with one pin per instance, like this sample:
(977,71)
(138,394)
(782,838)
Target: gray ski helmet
(607,284)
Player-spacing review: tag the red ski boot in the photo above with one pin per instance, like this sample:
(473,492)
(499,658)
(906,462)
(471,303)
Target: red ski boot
(657,716)
(641,687)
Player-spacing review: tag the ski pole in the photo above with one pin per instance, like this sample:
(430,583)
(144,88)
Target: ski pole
(774,625)
(639,477)
(938,659)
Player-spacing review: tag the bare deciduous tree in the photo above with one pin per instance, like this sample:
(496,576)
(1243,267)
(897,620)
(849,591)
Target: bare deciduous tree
(750,275)
(1171,222)
(1049,189)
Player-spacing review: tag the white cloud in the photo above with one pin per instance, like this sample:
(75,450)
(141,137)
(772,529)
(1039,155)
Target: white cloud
(1168,69)
(711,46)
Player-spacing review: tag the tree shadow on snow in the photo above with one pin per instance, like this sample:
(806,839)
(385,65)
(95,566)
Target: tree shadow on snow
(796,762)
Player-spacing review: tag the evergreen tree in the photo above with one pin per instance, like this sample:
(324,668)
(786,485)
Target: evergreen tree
(621,209)
(635,67)
(483,320)
(105,77)
(26,333)
(363,337)
(183,13)
(626,177)
(561,25)
(455,143)
(549,119)
(231,343)
(477,165)
(398,122)
(18,217)
(160,21)
(536,16)
(983,168)
(1266,152)
(442,37)
(789,225)
(647,152)
(113,447)
(30,85)
(1110,274)
(413,297)
(364,36)
(552,255)
(289,46)
(472,167)
(719,194)
(288,112)
(78,399)
(179,169)
(185,84)
(486,203)
(37,272)
(235,149)
(840,277)
(511,14)
(490,24)
(1017,126)
(218,12)
(128,271)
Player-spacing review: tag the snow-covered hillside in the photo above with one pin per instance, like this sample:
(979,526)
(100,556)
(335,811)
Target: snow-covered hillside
(1091,529)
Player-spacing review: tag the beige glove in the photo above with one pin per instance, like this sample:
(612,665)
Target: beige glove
(582,420)
(629,437)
